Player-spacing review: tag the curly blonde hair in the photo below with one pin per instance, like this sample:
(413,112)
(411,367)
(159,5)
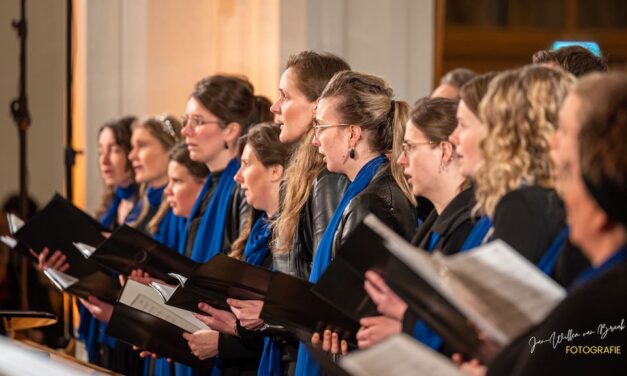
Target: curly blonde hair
(519,114)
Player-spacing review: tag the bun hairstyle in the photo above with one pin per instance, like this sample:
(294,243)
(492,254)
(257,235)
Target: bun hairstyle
(232,99)
(367,101)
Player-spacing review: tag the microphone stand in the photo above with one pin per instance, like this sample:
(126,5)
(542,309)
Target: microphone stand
(21,117)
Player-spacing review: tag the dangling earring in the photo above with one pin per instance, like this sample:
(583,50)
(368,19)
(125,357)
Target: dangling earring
(351,152)
(226,146)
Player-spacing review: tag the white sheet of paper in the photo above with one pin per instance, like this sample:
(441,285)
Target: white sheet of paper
(399,355)
(146,299)
(514,293)
(493,285)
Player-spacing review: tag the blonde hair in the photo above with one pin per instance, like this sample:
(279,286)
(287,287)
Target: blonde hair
(367,101)
(519,114)
(167,130)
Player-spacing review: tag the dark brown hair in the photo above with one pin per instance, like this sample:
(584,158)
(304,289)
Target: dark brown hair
(474,90)
(232,99)
(435,117)
(121,129)
(270,151)
(180,155)
(314,70)
(574,59)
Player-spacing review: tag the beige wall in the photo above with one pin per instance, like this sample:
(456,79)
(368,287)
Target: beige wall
(143,57)
(46,83)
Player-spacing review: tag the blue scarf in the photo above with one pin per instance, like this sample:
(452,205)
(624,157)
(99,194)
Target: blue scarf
(209,238)
(120,194)
(478,233)
(305,365)
(256,248)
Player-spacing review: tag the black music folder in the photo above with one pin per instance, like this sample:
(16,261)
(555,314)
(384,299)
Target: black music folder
(291,304)
(342,285)
(102,285)
(57,226)
(141,319)
(220,278)
(492,289)
(127,249)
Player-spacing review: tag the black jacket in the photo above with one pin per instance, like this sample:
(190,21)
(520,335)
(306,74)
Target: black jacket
(326,194)
(383,198)
(586,308)
(529,219)
(453,224)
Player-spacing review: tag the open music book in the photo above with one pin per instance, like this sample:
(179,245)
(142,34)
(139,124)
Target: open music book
(101,285)
(142,319)
(493,286)
(399,355)
(127,249)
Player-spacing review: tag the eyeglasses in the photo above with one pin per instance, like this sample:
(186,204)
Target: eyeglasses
(409,146)
(197,122)
(318,128)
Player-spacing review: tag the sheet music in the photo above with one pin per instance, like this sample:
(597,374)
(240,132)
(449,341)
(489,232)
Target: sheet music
(493,285)
(84,249)
(8,241)
(61,280)
(514,293)
(146,299)
(399,355)
(15,223)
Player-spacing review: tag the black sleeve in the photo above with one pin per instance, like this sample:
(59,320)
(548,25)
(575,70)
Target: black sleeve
(570,264)
(232,347)
(326,195)
(409,322)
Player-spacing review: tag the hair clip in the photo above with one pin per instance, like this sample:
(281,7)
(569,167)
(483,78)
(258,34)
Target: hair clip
(166,125)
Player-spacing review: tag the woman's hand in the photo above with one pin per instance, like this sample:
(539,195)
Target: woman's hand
(330,343)
(388,303)
(247,312)
(99,309)
(203,343)
(471,368)
(140,276)
(217,319)
(57,261)
(375,329)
